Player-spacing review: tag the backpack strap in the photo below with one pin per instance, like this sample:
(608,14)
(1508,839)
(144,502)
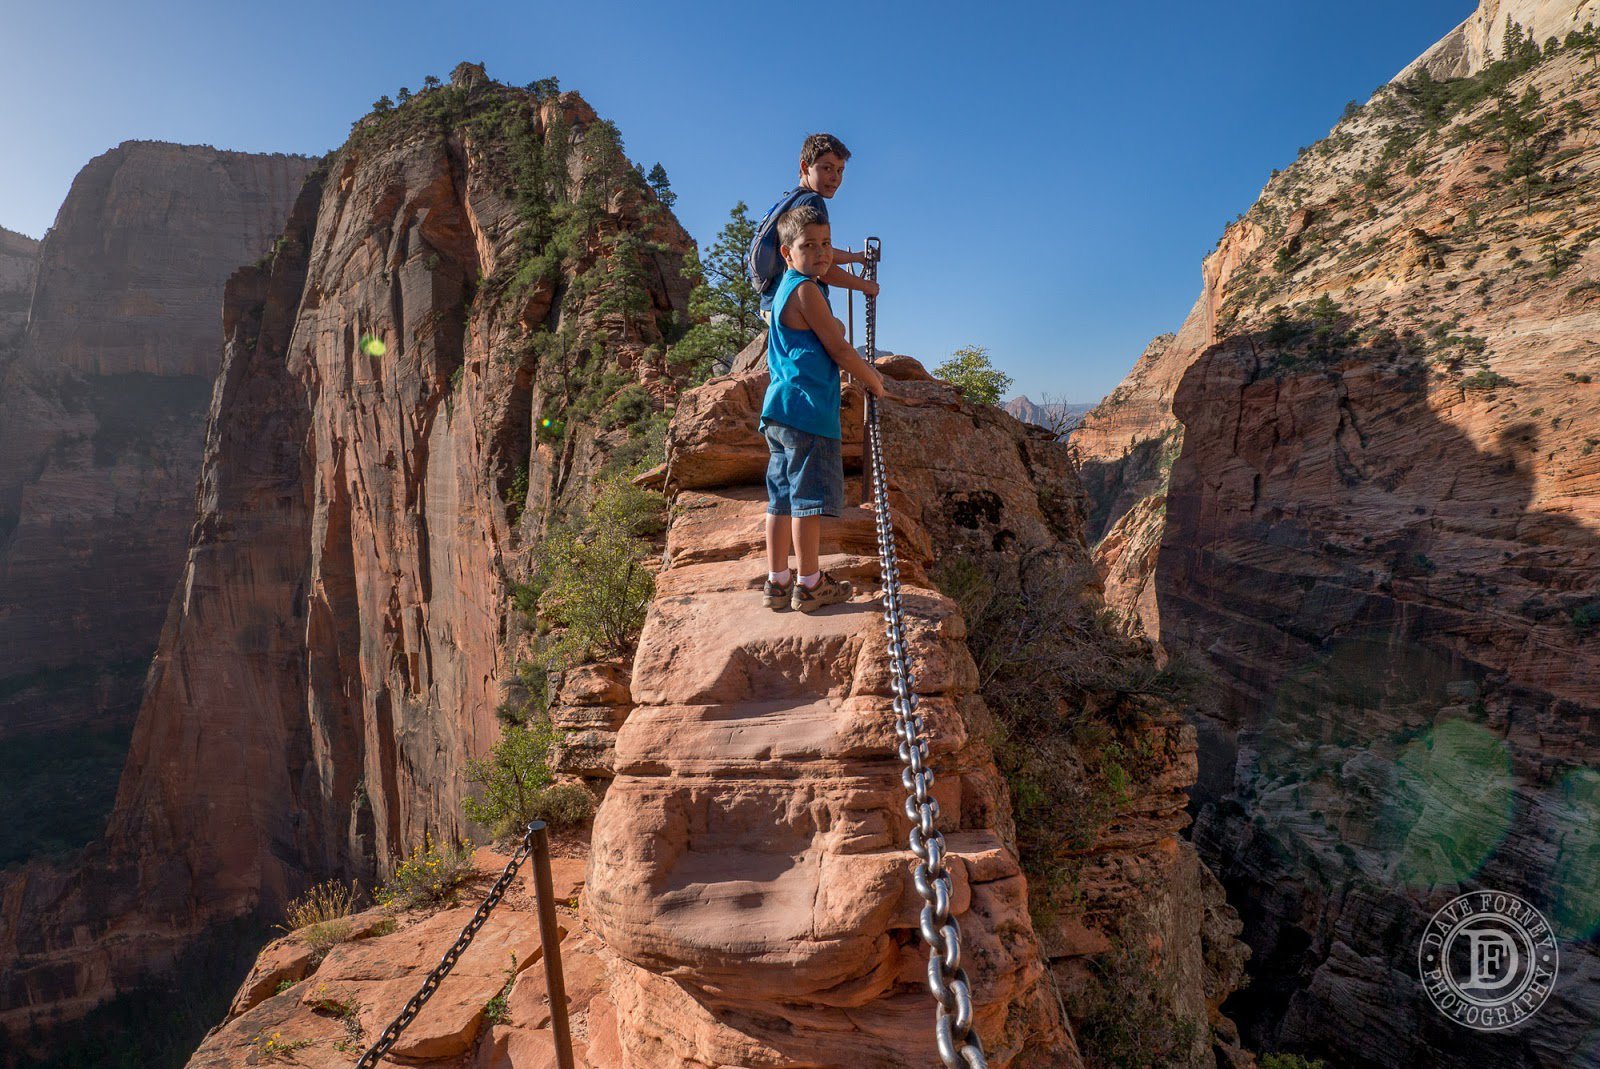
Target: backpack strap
(763,263)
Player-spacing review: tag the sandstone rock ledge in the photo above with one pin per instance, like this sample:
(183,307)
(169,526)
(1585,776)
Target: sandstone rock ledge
(749,865)
(322,1014)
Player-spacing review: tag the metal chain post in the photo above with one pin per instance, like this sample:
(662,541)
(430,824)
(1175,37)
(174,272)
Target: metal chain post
(959,1043)
(408,1013)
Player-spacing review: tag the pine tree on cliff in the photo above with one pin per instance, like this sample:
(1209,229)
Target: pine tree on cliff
(663,187)
(725,306)
(1519,128)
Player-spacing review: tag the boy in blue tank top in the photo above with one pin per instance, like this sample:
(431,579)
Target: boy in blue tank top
(806,350)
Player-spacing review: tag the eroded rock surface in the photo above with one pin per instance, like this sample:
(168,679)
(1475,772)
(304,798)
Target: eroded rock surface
(749,861)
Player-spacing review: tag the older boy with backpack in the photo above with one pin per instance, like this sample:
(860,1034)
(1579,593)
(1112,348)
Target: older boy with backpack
(822,160)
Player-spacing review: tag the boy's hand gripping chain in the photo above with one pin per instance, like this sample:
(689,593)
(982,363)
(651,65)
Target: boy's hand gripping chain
(959,1044)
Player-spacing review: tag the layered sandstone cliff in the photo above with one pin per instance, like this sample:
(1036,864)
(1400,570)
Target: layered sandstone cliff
(337,645)
(1380,533)
(102,420)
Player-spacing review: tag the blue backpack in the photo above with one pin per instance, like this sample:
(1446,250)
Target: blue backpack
(764,263)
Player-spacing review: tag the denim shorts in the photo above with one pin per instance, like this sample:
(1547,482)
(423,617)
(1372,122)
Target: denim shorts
(805,473)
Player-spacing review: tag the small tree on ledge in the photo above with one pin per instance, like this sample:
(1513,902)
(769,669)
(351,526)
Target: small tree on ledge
(969,371)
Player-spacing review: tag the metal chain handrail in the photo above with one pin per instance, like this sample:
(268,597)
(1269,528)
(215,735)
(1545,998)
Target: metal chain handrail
(409,1011)
(959,1043)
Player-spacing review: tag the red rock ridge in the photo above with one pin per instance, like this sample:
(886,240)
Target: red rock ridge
(337,646)
(748,867)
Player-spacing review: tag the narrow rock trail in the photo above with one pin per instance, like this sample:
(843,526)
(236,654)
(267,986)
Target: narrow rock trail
(749,862)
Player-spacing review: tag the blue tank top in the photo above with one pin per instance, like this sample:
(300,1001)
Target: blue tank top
(804,393)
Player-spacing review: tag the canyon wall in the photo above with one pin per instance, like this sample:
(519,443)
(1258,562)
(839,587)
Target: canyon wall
(338,643)
(19,258)
(104,415)
(1374,522)
(102,419)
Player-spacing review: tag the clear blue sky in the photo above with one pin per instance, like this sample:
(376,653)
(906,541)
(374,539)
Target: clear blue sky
(1045,179)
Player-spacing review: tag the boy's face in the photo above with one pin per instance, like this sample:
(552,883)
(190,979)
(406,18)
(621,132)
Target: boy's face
(824,174)
(812,255)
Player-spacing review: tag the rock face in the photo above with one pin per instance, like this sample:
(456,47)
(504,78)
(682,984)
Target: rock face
(337,646)
(1140,408)
(1478,41)
(1381,535)
(103,418)
(123,286)
(19,258)
(748,861)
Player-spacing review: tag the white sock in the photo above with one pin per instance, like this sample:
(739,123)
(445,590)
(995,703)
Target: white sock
(809,581)
(781,578)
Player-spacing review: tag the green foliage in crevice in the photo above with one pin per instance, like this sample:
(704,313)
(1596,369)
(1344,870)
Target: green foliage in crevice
(1073,703)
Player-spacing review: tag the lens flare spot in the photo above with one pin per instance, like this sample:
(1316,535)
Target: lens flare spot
(373,345)
(1453,803)
(1575,882)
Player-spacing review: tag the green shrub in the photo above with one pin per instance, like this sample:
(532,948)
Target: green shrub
(1586,618)
(645,448)
(497,1009)
(564,805)
(970,371)
(428,877)
(1122,1015)
(518,785)
(1485,380)
(633,405)
(517,493)
(591,580)
(1291,1061)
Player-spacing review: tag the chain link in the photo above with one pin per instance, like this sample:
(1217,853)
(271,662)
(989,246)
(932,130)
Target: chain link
(959,1043)
(408,1013)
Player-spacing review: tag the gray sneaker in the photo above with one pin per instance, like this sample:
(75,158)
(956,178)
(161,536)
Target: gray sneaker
(776,595)
(828,591)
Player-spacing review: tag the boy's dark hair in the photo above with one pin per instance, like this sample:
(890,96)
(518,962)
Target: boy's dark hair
(792,223)
(817,146)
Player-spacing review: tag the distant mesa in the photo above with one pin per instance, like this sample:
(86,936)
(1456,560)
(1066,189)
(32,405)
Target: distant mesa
(1056,415)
